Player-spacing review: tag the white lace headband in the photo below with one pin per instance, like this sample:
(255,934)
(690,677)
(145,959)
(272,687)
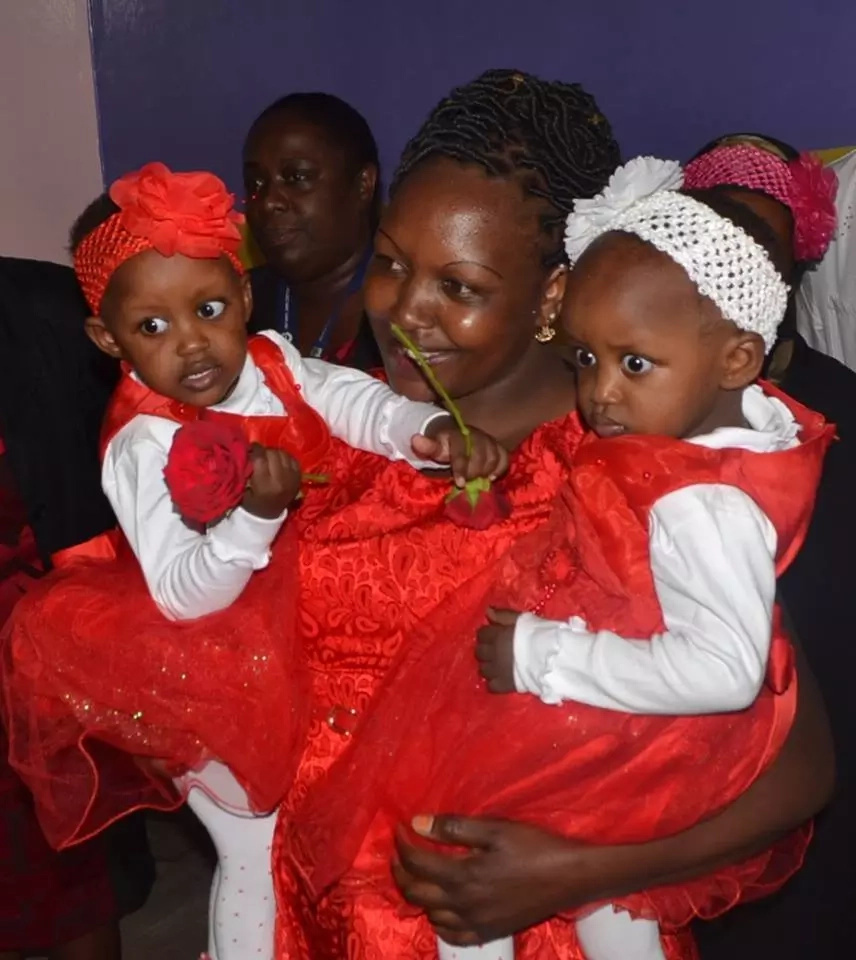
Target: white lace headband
(720,258)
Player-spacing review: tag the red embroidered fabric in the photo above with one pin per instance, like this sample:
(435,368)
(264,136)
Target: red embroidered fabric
(430,738)
(93,665)
(377,556)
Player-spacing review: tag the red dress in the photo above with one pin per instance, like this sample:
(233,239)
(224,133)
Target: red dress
(434,740)
(45,897)
(94,663)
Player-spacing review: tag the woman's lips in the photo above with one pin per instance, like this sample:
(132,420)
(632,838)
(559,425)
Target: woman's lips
(279,236)
(404,363)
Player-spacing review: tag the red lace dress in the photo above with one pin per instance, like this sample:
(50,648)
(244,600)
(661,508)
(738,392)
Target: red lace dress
(94,666)
(433,740)
(376,558)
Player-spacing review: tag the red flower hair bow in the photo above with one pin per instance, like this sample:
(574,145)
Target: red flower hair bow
(188,213)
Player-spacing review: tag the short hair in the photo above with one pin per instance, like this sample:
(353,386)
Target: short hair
(98,212)
(345,125)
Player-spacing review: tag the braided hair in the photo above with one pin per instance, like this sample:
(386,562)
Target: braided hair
(549,137)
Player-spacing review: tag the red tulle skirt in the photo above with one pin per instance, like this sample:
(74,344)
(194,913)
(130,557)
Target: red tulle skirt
(94,673)
(436,741)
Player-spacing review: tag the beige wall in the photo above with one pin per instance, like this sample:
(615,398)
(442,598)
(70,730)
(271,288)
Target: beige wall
(49,161)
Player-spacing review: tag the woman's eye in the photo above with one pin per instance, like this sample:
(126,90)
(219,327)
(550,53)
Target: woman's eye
(584,358)
(635,364)
(301,177)
(384,264)
(154,325)
(210,310)
(458,290)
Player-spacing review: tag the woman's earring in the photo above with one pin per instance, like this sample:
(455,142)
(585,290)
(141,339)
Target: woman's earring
(546,331)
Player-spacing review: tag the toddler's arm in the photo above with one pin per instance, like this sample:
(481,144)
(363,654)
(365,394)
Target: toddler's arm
(359,409)
(189,573)
(713,561)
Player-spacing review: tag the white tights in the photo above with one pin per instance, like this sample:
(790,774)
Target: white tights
(241,909)
(605,934)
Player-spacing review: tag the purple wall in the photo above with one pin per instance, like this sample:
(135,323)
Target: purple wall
(181,86)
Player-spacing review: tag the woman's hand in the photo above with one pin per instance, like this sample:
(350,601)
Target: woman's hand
(513,877)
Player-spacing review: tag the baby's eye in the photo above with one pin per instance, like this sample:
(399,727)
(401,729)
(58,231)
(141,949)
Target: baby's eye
(210,310)
(154,325)
(584,358)
(635,364)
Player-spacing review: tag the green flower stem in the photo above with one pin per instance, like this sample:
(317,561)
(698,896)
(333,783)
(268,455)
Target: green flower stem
(314,478)
(428,372)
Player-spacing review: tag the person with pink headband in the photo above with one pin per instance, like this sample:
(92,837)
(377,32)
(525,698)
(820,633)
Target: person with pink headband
(796,196)
(174,640)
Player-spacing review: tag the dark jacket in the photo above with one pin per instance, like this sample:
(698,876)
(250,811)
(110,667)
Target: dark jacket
(54,388)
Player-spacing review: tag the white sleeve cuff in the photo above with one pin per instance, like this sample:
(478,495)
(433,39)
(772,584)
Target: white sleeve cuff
(409,419)
(537,644)
(242,537)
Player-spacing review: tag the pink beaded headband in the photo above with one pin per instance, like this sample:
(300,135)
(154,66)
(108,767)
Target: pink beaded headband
(803,185)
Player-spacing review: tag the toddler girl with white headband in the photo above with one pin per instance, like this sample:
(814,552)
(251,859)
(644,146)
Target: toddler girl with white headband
(672,303)
(652,629)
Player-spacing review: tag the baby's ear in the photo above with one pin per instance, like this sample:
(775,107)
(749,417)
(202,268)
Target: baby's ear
(247,297)
(98,333)
(743,361)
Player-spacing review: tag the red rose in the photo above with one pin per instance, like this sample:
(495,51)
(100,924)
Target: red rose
(188,213)
(477,506)
(207,469)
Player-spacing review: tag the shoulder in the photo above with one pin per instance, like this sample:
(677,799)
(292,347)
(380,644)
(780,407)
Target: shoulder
(141,438)
(822,383)
(701,508)
(284,349)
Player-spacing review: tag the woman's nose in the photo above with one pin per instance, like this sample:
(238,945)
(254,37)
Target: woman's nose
(273,197)
(411,309)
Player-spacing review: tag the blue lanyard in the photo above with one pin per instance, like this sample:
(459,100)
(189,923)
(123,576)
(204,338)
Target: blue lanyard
(287,309)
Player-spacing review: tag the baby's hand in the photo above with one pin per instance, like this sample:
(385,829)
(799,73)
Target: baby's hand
(443,442)
(495,650)
(274,484)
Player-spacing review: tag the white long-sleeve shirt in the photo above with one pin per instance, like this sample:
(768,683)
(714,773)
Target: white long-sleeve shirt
(190,574)
(712,552)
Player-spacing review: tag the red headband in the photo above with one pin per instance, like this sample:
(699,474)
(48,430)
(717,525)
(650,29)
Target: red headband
(187,213)
(804,185)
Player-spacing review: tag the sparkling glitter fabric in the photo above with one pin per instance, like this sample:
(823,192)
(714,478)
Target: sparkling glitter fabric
(93,665)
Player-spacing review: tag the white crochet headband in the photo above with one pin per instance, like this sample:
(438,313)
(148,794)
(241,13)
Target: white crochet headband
(720,258)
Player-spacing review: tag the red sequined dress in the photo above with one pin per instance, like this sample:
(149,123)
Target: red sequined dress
(94,666)
(427,737)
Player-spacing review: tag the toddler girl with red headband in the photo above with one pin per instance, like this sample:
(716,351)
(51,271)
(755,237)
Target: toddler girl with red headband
(173,641)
